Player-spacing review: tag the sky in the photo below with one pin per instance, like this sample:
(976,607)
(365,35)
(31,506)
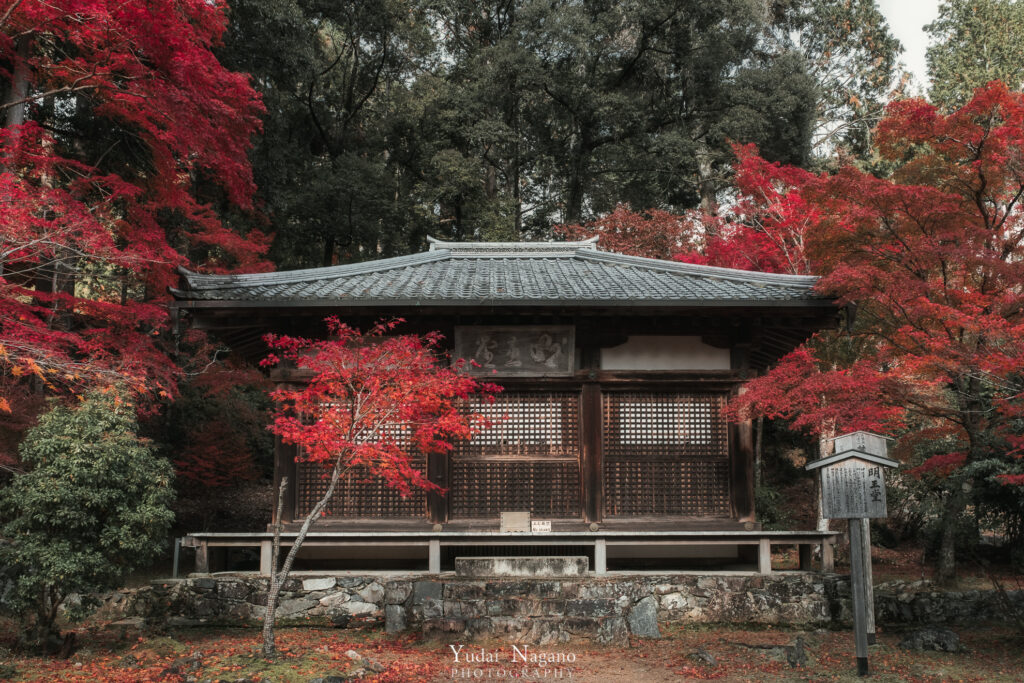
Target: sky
(906,20)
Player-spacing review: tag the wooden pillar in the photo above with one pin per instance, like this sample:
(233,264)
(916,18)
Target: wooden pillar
(741,446)
(828,557)
(284,466)
(434,556)
(591,461)
(869,584)
(202,558)
(437,472)
(764,556)
(741,470)
(600,556)
(860,632)
(266,557)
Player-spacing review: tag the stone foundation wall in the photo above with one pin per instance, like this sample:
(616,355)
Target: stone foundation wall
(606,609)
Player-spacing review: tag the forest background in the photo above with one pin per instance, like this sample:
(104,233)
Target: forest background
(276,134)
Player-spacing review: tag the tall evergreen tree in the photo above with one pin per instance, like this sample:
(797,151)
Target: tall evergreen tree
(332,74)
(493,120)
(974,42)
(853,58)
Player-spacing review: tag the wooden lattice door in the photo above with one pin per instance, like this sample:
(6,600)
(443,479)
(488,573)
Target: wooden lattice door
(527,460)
(665,454)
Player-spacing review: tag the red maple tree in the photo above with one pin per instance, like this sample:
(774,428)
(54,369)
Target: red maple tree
(763,229)
(365,401)
(652,234)
(933,258)
(90,238)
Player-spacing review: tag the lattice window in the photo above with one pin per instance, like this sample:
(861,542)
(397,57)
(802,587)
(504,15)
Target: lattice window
(486,489)
(358,494)
(528,460)
(665,454)
(526,425)
(661,425)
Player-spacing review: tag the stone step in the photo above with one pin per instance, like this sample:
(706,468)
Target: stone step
(532,567)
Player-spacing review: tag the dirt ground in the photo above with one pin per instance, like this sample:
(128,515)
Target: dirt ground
(728,654)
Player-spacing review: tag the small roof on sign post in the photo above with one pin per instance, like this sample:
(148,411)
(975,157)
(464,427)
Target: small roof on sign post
(865,442)
(851,455)
(861,445)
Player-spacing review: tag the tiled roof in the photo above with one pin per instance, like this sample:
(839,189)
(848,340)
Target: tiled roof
(506,273)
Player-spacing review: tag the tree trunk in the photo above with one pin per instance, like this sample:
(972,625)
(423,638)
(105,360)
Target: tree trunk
(277,579)
(328,255)
(19,83)
(758,448)
(945,570)
(706,179)
(824,449)
(274,587)
(577,178)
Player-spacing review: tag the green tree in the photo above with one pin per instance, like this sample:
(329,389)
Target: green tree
(853,58)
(974,42)
(330,164)
(93,507)
(493,120)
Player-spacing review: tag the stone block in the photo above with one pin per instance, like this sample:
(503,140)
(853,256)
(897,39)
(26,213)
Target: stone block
(293,607)
(464,590)
(351,581)
(673,601)
(422,591)
(589,608)
(444,625)
(521,566)
(357,608)
(394,619)
(499,589)
(546,589)
(581,626)
(321,584)
(613,631)
(502,607)
(234,590)
(472,608)
(334,600)
(431,609)
(204,584)
(553,608)
(643,619)
(481,627)
(372,593)
(397,592)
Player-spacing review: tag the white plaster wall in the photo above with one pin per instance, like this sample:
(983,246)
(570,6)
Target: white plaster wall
(664,353)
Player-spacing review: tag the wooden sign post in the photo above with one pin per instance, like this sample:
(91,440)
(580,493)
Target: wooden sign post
(853,488)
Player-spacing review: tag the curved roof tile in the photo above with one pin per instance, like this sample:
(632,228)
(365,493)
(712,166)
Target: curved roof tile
(453,273)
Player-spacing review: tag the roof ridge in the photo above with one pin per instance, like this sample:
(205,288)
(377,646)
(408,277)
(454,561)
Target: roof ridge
(512,248)
(198,281)
(748,276)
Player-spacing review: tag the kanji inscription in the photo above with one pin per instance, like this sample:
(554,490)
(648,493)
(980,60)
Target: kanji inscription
(853,489)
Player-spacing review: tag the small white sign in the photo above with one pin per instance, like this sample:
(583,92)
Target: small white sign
(515,522)
(541,526)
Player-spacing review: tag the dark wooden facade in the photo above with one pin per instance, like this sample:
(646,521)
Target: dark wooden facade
(643,447)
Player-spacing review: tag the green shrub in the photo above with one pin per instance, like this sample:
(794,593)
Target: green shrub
(93,507)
